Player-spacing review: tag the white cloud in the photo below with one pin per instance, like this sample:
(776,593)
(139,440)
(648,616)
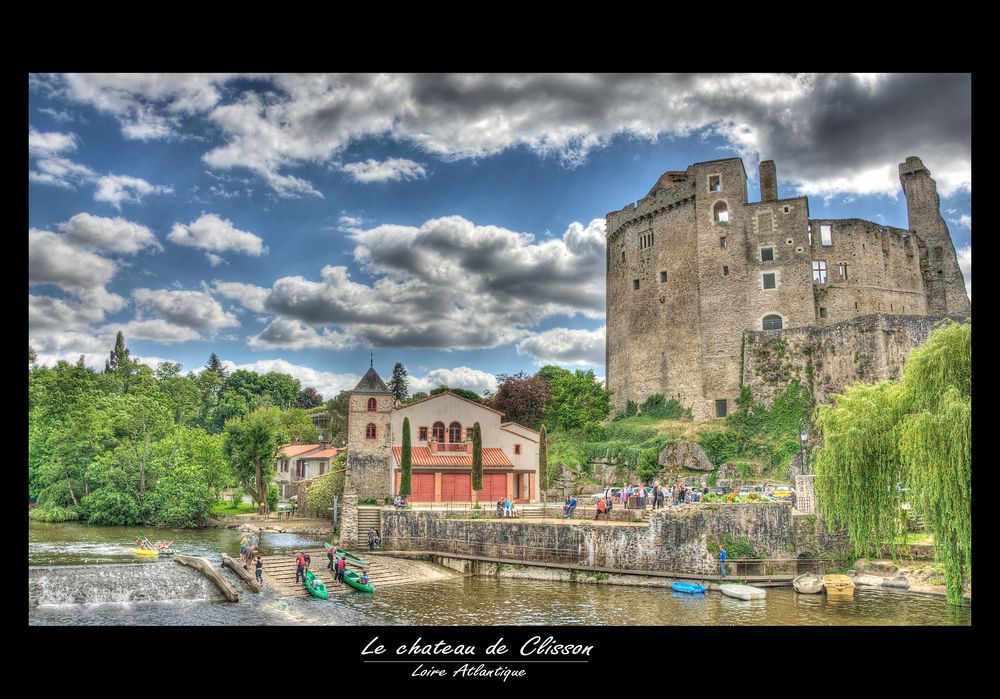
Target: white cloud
(108,234)
(214,259)
(350,223)
(326,382)
(287,333)
(157,330)
(251,297)
(52,259)
(562,346)
(53,346)
(447,284)
(119,189)
(392,169)
(50,143)
(213,233)
(965,264)
(196,310)
(460,377)
(61,172)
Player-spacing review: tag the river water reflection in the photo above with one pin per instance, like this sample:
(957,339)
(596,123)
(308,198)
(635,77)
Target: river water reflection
(459,601)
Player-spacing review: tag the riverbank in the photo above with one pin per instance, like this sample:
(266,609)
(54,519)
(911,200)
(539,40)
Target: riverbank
(917,577)
(300,525)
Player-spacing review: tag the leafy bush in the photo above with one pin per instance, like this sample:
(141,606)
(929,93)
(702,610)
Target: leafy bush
(658,406)
(649,466)
(53,513)
(272,497)
(109,506)
(55,496)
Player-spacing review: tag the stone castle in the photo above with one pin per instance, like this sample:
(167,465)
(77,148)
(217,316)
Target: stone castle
(696,272)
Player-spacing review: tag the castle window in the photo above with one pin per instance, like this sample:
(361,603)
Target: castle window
(721,408)
(370,431)
(842,269)
(819,271)
(455,432)
(822,313)
(771,322)
(785,209)
(663,277)
(725,271)
(767,254)
(769,281)
(715,183)
(645,241)
(720,212)
(438,431)
(723,242)
(938,252)
(372,405)
(517,449)
(635,284)
(423,434)
(825,234)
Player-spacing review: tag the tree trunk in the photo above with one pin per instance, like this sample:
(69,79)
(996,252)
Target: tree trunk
(261,490)
(69,482)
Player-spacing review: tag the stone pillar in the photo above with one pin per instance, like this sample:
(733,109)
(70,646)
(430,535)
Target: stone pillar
(349,521)
(768,181)
(511,492)
(805,495)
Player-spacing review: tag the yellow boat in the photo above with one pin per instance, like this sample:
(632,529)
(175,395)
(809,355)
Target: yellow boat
(838,585)
(146,552)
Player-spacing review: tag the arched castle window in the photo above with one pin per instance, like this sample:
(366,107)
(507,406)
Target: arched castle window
(772,322)
(720,212)
(437,432)
(455,432)
(371,432)
(372,405)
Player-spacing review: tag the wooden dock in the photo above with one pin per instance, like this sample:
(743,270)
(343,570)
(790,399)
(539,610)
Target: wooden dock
(279,574)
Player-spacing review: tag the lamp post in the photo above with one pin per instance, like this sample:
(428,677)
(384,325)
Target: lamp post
(803,438)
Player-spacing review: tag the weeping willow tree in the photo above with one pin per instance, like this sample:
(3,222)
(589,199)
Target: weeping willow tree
(905,441)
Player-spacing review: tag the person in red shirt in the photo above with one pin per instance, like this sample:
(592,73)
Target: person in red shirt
(602,508)
(300,567)
(341,566)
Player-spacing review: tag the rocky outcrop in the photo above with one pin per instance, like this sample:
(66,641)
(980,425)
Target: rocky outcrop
(687,455)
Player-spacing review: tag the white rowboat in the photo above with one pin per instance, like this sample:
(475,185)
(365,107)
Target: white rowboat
(744,592)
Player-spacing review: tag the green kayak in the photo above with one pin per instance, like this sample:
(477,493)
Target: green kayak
(354,580)
(315,586)
(350,557)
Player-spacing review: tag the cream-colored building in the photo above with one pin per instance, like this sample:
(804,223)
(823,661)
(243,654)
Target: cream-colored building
(299,462)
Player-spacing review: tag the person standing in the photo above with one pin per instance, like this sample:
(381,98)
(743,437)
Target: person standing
(499,507)
(341,566)
(300,567)
(305,556)
(371,539)
(329,557)
(601,508)
(722,561)
(260,570)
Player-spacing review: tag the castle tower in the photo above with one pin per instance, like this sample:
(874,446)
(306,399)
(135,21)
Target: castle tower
(369,450)
(938,261)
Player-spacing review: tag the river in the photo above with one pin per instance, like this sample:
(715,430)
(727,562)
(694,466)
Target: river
(85,575)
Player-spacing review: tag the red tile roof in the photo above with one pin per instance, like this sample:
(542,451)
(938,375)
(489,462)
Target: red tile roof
(325,454)
(422,457)
(293,450)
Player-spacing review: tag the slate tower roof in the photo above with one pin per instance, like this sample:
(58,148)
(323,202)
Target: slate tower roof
(371,382)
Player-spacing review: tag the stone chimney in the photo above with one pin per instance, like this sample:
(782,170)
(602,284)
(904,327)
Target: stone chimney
(768,181)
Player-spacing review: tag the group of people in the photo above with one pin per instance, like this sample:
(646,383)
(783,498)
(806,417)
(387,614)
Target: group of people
(635,495)
(374,539)
(249,545)
(338,564)
(399,502)
(159,546)
(506,508)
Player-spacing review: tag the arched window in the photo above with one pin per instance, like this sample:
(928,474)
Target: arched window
(772,322)
(370,431)
(437,432)
(372,404)
(455,432)
(720,212)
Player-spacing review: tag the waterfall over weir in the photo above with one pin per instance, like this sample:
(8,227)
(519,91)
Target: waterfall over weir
(89,584)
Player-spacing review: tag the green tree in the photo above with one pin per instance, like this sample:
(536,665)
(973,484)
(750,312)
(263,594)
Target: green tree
(406,467)
(906,440)
(309,398)
(577,399)
(397,384)
(477,457)
(299,426)
(419,395)
(338,409)
(215,366)
(521,398)
(185,395)
(121,368)
(463,392)
(252,443)
(166,370)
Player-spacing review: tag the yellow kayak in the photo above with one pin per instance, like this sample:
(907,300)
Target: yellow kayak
(146,552)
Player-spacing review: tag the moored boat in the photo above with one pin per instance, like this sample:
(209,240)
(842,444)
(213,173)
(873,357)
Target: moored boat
(354,580)
(838,585)
(350,557)
(744,592)
(808,584)
(315,586)
(689,588)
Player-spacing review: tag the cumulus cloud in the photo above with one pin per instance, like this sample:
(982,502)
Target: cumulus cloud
(825,131)
(50,143)
(110,234)
(288,333)
(158,330)
(393,169)
(447,284)
(459,377)
(196,310)
(61,172)
(326,382)
(54,345)
(564,346)
(118,189)
(965,264)
(215,234)
(52,259)
(250,296)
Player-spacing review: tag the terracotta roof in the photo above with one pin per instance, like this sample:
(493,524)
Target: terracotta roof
(325,454)
(422,457)
(292,450)
(371,382)
(453,395)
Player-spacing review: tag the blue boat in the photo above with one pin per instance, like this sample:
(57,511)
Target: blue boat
(688,588)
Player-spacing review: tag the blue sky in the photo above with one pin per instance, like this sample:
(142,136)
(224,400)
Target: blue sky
(453,223)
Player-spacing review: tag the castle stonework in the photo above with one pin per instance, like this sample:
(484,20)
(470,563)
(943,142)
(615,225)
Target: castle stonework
(694,265)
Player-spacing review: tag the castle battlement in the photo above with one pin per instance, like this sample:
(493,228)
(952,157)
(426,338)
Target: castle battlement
(694,265)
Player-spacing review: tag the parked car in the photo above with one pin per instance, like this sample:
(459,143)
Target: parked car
(751,489)
(615,493)
(721,491)
(782,492)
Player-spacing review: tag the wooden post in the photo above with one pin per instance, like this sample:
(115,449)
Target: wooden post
(204,567)
(249,580)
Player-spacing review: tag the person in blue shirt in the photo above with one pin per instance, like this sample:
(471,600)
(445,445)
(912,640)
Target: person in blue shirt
(722,561)
(572,506)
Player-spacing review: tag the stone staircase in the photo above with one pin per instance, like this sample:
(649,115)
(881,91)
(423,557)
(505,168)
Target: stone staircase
(368,518)
(279,574)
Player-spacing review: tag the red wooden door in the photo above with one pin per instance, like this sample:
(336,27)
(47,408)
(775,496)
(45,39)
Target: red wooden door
(494,487)
(456,487)
(423,487)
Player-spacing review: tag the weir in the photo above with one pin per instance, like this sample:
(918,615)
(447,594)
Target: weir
(117,584)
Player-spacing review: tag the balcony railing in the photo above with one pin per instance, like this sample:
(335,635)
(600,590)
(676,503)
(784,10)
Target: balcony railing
(448,448)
